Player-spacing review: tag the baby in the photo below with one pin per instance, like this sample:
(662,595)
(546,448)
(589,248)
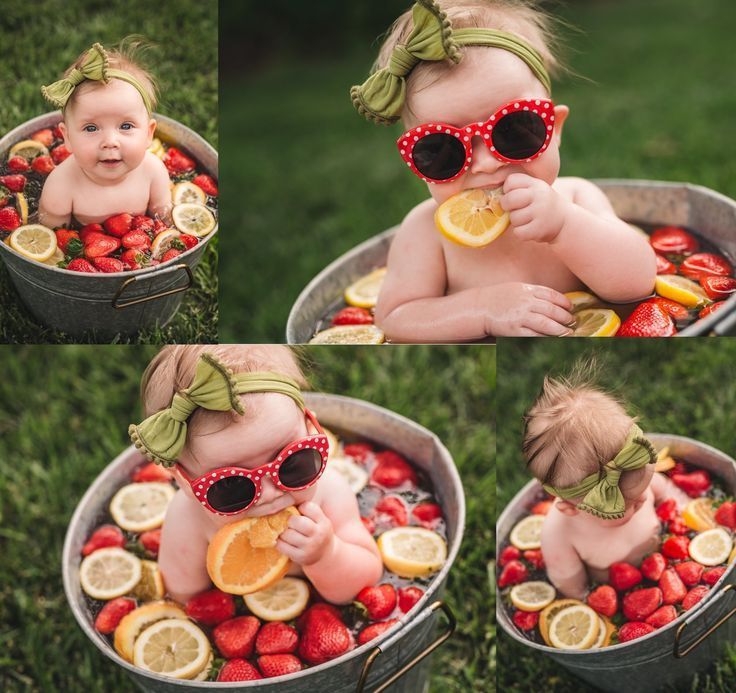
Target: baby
(474,66)
(106,101)
(587,451)
(247,429)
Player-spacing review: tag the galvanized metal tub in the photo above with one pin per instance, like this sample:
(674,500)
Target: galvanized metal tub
(672,655)
(650,202)
(368,667)
(105,305)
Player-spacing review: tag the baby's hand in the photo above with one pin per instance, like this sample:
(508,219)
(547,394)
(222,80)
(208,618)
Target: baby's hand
(308,537)
(536,210)
(526,310)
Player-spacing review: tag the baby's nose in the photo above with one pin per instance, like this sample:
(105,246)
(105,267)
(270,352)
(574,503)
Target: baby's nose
(110,139)
(269,491)
(483,160)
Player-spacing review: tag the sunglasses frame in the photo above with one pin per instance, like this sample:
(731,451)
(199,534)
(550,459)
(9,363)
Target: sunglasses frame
(201,485)
(542,107)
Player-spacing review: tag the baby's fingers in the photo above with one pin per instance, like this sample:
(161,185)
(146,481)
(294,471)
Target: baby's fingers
(546,326)
(554,312)
(516,199)
(552,296)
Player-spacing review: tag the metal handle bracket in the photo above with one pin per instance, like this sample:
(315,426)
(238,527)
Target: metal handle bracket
(143,277)
(684,653)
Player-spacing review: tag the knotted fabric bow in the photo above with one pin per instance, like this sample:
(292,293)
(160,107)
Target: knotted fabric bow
(162,435)
(381,97)
(603,498)
(94,67)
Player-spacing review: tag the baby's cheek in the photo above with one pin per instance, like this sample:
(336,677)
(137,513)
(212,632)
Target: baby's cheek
(445,191)
(304,495)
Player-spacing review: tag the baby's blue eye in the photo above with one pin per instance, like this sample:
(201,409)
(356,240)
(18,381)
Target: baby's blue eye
(126,126)
(90,128)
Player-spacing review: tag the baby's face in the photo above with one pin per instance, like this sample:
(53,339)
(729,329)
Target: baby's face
(485,80)
(108,130)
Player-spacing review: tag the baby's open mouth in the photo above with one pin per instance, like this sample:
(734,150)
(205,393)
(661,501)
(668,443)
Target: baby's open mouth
(110,162)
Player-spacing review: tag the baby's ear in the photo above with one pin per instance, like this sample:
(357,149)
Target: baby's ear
(561,113)
(151,130)
(566,508)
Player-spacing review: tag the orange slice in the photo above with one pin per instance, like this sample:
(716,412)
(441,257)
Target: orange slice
(473,218)
(682,290)
(699,514)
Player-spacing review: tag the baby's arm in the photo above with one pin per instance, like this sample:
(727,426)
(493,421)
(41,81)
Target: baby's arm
(663,488)
(413,307)
(55,205)
(159,203)
(565,568)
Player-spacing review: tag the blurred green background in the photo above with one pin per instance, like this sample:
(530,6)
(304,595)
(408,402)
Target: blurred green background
(684,387)
(64,413)
(308,179)
(40,39)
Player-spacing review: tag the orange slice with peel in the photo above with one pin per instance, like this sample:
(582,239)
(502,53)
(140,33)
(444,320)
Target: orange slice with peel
(699,514)
(549,612)
(472,218)
(242,557)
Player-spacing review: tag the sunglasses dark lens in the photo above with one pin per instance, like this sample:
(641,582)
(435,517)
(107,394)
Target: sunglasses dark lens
(231,494)
(439,156)
(301,468)
(519,135)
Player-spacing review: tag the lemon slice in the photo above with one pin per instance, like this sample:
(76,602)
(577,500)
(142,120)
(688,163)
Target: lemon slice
(282,601)
(681,289)
(607,629)
(21,204)
(664,461)
(354,474)
(363,293)
(109,573)
(349,334)
(412,551)
(151,584)
(581,300)
(472,218)
(173,647)
(549,612)
(711,547)
(533,595)
(34,241)
(188,192)
(527,534)
(596,322)
(162,242)
(28,149)
(139,619)
(157,148)
(140,507)
(55,259)
(574,628)
(699,515)
(204,674)
(732,556)
(194,219)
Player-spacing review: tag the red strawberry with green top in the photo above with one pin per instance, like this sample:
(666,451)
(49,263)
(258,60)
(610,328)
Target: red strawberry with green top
(324,635)
(151,541)
(238,670)
(279,665)
(100,245)
(676,547)
(427,514)
(151,472)
(705,264)
(513,573)
(525,620)
(718,288)
(14,183)
(694,596)
(9,219)
(17,164)
(623,576)
(236,637)
(170,254)
(604,600)
(664,266)
(352,315)
(58,154)
(541,508)
(674,309)
(188,241)
(135,258)
(694,484)
(112,613)
(408,597)
(713,575)
(137,238)
(85,231)
(43,165)
(177,162)
(378,602)
(211,607)
(276,638)
(108,264)
(653,566)
(358,451)
(535,557)
(673,589)
(690,572)
(726,514)
(206,183)
(64,236)
(647,320)
(639,604)
(673,239)
(374,630)
(510,553)
(79,264)
(395,510)
(104,537)
(633,630)
(119,224)
(662,616)
(392,470)
(677,526)
(45,137)
(667,510)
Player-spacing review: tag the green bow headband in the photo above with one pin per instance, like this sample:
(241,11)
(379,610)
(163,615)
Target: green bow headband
(381,97)
(94,67)
(162,436)
(603,498)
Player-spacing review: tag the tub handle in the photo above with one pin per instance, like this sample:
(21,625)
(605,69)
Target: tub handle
(683,653)
(451,623)
(134,302)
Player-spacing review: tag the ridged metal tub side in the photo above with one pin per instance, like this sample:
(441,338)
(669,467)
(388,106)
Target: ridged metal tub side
(670,656)
(388,653)
(104,305)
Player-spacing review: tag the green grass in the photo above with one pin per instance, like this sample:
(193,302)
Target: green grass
(64,412)
(683,387)
(45,37)
(657,104)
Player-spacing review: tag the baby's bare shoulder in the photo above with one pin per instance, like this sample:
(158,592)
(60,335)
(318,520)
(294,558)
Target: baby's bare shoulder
(584,193)
(418,225)
(153,166)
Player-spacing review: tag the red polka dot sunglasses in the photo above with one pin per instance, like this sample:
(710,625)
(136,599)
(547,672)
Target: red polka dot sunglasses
(518,131)
(230,490)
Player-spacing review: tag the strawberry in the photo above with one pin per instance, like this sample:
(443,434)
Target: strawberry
(119,224)
(633,630)
(79,264)
(103,537)
(17,164)
(58,154)
(392,470)
(694,484)
(358,451)
(100,245)
(135,258)
(718,288)
(653,566)
(137,238)
(374,630)
(525,620)
(108,264)
(56,131)
(667,510)
(408,597)
(324,635)
(151,472)
(690,572)
(664,266)
(85,231)
(513,573)
(639,604)
(112,613)
(510,553)
(662,616)
(170,254)
(623,576)
(211,607)
(63,236)
(427,514)
(535,557)
(713,575)
(673,590)
(674,309)
(376,602)
(694,596)
(726,514)
(143,223)
(276,638)
(369,523)
(158,226)
(151,541)
(393,507)
(673,239)
(188,241)
(677,526)
(604,600)
(236,637)
(207,183)
(704,265)
(45,137)
(14,183)
(9,219)
(238,670)
(279,665)
(676,547)
(679,468)
(352,316)
(647,320)
(541,508)
(712,308)
(177,162)
(43,165)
